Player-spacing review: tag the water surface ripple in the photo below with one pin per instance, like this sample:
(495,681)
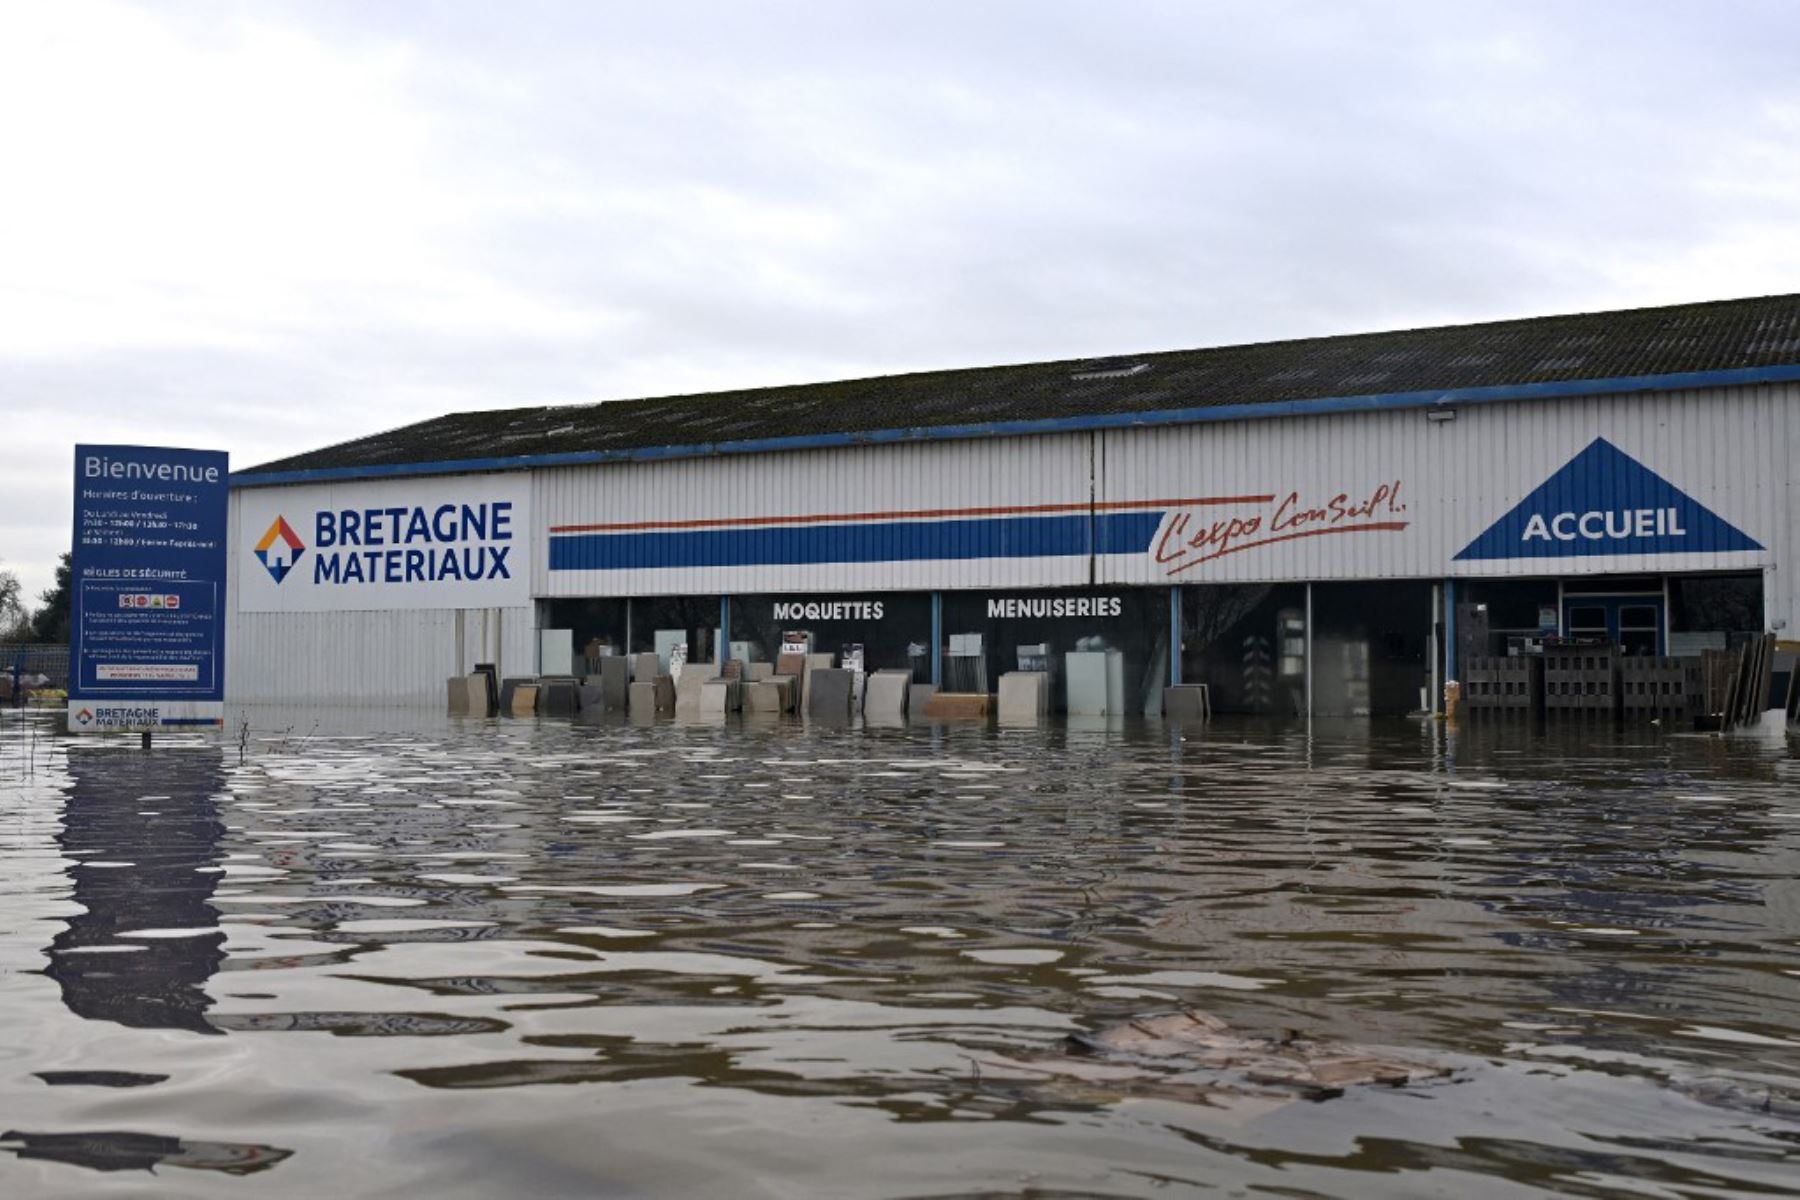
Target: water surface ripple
(522,959)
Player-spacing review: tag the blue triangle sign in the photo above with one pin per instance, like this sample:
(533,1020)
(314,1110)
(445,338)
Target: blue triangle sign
(1602,502)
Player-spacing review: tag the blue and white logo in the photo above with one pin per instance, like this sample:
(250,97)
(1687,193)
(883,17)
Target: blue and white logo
(1605,502)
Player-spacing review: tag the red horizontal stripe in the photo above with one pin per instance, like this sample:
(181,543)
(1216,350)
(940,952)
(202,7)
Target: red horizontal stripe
(904,514)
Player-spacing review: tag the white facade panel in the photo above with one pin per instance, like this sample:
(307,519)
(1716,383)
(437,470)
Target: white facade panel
(1393,494)
(436,542)
(894,517)
(361,658)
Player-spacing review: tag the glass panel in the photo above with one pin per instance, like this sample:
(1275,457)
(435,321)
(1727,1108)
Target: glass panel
(1731,605)
(1503,616)
(1247,644)
(1587,618)
(598,625)
(893,628)
(1129,626)
(1370,648)
(660,622)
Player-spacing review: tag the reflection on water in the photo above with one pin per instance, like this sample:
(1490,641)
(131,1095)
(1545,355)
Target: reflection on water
(142,833)
(512,958)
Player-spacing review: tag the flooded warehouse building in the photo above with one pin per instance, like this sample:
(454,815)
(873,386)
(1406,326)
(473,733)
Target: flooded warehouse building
(1331,526)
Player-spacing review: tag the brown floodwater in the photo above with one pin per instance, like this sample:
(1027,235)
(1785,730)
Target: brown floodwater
(536,959)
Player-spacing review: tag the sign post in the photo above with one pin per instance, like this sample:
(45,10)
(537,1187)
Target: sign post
(147,589)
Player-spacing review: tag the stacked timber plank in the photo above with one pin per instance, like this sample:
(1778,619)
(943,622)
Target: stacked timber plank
(1747,694)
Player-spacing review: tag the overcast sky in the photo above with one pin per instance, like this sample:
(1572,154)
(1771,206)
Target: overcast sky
(267,228)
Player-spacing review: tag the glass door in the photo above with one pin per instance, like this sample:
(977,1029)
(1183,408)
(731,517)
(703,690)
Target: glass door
(1634,622)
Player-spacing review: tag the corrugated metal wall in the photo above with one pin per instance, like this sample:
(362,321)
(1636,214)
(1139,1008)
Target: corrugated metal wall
(929,501)
(1062,510)
(1730,451)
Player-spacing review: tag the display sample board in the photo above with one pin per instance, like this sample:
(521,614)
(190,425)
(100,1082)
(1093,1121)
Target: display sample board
(147,588)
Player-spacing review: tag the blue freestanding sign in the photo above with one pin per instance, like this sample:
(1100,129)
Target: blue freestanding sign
(147,584)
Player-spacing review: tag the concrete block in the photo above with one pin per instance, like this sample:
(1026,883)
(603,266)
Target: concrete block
(884,697)
(458,690)
(483,695)
(1024,695)
(591,698)
(763,696)
(524,700)
(645,667)
(917,694)
(829,692)
(614,676)
(952,706)
(1186,702)
(756,672)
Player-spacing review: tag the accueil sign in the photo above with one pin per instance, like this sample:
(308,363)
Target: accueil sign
(452,542)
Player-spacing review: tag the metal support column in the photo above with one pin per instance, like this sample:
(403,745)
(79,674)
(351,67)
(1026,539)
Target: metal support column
(1449,630)
(722,652)
(1175,636)
(1309,652)
(937,639)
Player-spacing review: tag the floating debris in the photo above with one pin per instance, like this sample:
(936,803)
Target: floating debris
(1196,1056)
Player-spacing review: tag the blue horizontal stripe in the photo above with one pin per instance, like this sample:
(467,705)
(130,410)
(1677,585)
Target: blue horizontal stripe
(898,541)
(1317,406)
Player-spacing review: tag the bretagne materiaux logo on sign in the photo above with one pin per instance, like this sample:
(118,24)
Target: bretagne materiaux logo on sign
(278,560)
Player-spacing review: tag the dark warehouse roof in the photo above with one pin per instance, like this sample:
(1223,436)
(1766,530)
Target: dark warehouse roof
(1646,349)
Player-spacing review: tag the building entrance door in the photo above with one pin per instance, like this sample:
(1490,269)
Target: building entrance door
(1634,622)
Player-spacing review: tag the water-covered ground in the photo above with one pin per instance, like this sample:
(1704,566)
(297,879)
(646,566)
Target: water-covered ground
(529,960)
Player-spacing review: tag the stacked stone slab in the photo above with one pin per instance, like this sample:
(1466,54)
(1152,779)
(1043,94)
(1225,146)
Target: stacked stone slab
(719,696)
(918,695)
(524,700)
(508,692)
(1024,696)
(613,677)
(830,693)
(884,698)
(814,662)
(468,696)
(687,690)
(645,667)
(1186,702)
(957,706)
(556,696)
(650,697)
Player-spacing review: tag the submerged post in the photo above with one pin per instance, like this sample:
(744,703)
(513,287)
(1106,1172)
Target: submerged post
(1449,630)
(722,653)
(1175,636)
(937,639)
(145,744)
